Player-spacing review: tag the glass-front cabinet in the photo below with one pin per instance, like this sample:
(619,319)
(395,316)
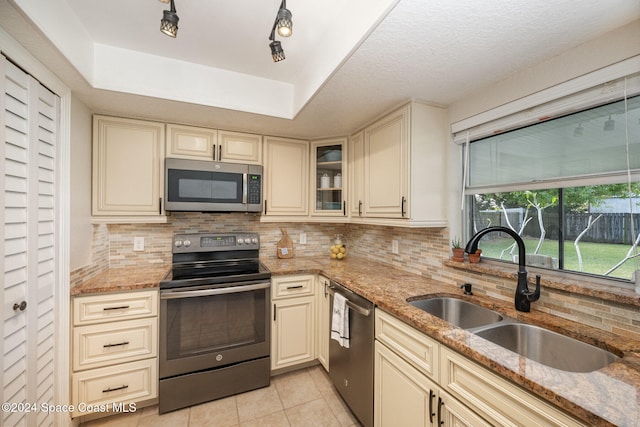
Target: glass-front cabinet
(328,177)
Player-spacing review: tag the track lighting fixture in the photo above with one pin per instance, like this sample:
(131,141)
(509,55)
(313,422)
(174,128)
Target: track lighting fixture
(169,22)
(609,125)
(283,25)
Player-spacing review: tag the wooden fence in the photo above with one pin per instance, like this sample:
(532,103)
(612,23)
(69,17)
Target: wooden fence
(610,228)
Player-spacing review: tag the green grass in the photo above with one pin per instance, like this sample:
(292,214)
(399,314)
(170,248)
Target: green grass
(597,258)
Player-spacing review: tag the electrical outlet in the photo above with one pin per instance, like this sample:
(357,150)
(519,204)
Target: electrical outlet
(394,247)
(303,238)
(138,244)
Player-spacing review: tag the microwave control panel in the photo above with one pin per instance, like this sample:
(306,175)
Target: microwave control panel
(254,189)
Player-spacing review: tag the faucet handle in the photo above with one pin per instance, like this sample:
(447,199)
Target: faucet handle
(467,288)
(535,295)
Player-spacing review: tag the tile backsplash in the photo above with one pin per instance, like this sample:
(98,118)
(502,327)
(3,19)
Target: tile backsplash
(420,251)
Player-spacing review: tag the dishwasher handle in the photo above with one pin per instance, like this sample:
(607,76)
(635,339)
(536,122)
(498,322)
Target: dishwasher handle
(360,310)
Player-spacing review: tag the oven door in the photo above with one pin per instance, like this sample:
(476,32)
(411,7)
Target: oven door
(207,328)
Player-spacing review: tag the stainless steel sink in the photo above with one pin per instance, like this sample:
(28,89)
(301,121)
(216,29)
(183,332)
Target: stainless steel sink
(548,347)
(459,312)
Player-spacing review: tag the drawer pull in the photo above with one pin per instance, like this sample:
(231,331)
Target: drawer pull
(121,307)
(115,345)
(115,389)
(295,287)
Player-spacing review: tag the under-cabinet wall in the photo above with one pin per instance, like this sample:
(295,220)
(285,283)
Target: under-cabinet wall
(421,251)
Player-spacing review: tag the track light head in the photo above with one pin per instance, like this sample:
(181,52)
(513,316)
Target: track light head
(169,22)
(276,51)
(284,24)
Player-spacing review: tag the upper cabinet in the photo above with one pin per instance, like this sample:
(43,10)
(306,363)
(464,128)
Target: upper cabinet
(328,167)
(128,164)
(397,168)
(189,142)
(286,183)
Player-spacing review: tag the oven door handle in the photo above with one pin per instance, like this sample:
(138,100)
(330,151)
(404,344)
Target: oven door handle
(217,291)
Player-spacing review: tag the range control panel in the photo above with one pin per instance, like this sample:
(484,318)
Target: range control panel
(205,242)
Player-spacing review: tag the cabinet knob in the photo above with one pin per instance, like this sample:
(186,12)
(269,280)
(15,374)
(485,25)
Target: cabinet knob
(21,307)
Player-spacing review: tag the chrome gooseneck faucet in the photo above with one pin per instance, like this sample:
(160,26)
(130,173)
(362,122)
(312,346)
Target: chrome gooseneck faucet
(524,296)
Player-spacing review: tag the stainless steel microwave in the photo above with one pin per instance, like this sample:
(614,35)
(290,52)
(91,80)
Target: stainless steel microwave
(205,186)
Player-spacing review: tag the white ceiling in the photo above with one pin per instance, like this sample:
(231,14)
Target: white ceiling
(218,72)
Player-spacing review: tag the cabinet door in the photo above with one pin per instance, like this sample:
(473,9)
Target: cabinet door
(128,164)
(189,142)
(293,332)
(323,326)
(328,177)
(402,395)
(356,174)
(235,147)
(453,413)
(386,145)
(286,171)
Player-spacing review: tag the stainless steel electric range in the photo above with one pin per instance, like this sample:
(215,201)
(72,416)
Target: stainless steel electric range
(214,320)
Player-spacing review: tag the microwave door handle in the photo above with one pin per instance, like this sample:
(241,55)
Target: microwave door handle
(244,188)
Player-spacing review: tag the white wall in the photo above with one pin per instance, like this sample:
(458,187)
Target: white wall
(81,229)
(611,48)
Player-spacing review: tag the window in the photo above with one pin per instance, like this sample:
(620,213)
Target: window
(570,186)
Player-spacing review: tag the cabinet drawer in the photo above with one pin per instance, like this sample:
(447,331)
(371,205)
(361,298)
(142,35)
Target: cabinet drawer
(494,398)
(125,383)
(105,344)
(109,307)
(420,350)
(288,286)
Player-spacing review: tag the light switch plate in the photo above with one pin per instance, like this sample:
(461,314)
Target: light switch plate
(138,244)
(303,238)
(394,247)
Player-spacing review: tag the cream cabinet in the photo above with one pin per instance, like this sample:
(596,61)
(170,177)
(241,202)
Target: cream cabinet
(293,328)
(404,396)
(190,142)
(114,350)
(128,166)
(323,326)
(328,173)
(286,170)
(438,386)
(398,168)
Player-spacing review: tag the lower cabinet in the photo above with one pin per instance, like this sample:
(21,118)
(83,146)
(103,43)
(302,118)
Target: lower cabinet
(293,334)
(324,321)
(114,351)
(406,397)
(419,382)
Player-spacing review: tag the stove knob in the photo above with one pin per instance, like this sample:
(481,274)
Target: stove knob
(240,241)
(254,240)
(187,243)
(178,243)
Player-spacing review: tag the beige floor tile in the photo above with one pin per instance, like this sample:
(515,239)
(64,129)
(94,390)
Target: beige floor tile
(320,378)
(339,408)
(314,413)
(296,387)
(218,413)
(172,419)
(258,403)
(278,419)
(124,420)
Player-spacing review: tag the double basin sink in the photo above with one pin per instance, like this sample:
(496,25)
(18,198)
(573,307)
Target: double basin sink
(542,345)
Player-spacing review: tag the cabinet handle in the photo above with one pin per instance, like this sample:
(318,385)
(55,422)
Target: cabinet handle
(359,207)
(440,405)
(402,211)
(432,395)
(115,389)
(274,312)
(214,152)
(121,307)
(160,206)
(220,152)
(295,287)
(115,345)
(344,208)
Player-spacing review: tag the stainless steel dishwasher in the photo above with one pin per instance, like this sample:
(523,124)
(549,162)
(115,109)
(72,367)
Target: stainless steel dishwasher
(351,369)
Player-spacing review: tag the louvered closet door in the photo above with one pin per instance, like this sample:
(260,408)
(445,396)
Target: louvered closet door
(28,124)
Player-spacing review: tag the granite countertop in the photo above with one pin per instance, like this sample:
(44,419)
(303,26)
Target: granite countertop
(132,278)
(607,397)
